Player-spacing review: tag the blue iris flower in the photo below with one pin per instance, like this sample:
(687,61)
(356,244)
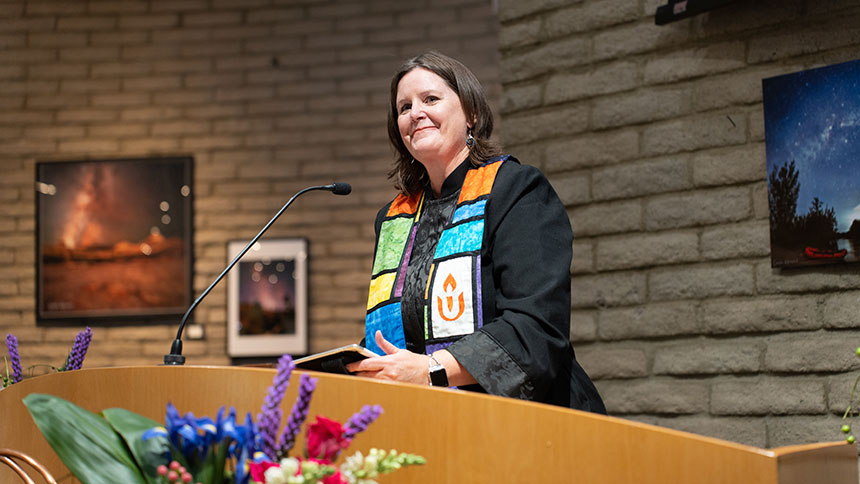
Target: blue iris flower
(195,437)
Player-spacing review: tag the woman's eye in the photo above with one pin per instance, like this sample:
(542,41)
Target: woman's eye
(404,108)
(432,99)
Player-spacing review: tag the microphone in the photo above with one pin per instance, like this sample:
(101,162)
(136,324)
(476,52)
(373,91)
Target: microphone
(340,188)
(175,356)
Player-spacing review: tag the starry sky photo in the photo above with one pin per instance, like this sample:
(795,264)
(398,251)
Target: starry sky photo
(812,117)
(271,284)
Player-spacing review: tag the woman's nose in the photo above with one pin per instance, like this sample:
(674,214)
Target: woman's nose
(417,112)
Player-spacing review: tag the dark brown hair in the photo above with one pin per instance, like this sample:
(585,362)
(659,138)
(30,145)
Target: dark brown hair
(411,178)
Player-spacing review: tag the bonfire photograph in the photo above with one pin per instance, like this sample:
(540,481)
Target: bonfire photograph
(113,238)
(812,138)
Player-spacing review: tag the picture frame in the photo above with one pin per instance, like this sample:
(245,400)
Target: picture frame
(267,298)
(114,240)
(813,155)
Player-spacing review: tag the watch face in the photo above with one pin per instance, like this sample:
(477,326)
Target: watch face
(438,376)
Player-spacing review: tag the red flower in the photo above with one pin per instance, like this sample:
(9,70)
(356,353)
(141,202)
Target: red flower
(258,470)
(335,478)
(325,440)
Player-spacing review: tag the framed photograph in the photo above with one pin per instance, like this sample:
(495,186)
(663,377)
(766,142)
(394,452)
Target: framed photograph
(812,139)
(113,239)
(267,299)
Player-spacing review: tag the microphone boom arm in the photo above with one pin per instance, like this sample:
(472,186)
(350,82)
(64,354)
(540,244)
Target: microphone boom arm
(175,356)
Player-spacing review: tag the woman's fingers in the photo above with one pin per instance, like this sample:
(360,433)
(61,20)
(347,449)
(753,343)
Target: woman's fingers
(383,344)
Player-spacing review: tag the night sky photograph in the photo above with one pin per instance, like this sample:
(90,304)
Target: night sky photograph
(813,164)
(267,297)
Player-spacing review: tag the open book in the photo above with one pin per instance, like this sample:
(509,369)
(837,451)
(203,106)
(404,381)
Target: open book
(334,361)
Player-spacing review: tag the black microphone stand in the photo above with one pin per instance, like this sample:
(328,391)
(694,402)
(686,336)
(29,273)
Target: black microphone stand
(175,356)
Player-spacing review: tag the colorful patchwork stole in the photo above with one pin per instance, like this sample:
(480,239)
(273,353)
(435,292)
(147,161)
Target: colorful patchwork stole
(452,305)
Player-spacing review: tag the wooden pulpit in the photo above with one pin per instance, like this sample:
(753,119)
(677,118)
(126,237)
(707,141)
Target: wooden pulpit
(465,437)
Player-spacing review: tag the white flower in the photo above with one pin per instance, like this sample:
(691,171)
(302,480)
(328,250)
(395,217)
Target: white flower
(274,475)
(289,465)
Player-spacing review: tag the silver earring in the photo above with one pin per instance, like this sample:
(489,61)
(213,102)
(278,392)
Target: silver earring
(470,140)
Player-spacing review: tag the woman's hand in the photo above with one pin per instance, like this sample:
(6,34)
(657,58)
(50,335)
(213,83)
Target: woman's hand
(397,364)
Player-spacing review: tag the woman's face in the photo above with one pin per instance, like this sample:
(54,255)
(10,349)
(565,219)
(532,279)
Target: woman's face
(430,117)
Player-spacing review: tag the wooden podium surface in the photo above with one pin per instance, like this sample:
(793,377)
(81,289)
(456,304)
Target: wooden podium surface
(466,437)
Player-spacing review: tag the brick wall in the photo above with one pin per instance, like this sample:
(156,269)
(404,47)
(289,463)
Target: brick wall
(268,96)
(654,138)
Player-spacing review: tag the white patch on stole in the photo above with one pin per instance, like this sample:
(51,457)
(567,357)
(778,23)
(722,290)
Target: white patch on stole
(452,298)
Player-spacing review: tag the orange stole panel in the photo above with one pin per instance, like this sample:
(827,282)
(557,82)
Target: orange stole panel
(403,204)
(478,182)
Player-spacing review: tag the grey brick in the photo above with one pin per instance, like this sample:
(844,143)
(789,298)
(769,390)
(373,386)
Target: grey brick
(735,88)
(702,207)
(748,431)
(838,32)
(519,34)
(545,58)
(636,38)
(590,15)
(839,391)
(525,128)
(756,125)
(802,430)
(708,357)
(649,321)
(772,281)
(517,98)
(760,315)
(748,239)
(587,150)
(642,178)
(606,290)
(644,250)
(714,58)
(611,78)
(512,9)
(730,166)
(583,256)
(759,196)
(654,396)
(530,154)
(572,189)
(695,133)
(701,281)
(744,19)
(639,107)
(767,396)
(841,310)
(812,352)
(583,326)
(606,218)
(610,361)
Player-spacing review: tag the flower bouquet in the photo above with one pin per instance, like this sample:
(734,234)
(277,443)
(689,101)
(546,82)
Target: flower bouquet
(122,446)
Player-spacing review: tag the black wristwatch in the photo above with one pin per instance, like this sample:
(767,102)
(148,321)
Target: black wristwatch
(438,375)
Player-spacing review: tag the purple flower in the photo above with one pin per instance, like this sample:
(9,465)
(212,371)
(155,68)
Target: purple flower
(75,359)
(12,346)
(269,419)
(359,422)
(307,385)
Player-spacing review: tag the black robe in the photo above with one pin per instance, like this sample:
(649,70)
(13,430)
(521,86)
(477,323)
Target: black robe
(523,349)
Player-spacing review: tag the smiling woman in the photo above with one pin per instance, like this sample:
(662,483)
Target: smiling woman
(470,284)
(432,124)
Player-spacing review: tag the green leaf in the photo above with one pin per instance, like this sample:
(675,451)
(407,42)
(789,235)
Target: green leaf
(131,427)
(85,442)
